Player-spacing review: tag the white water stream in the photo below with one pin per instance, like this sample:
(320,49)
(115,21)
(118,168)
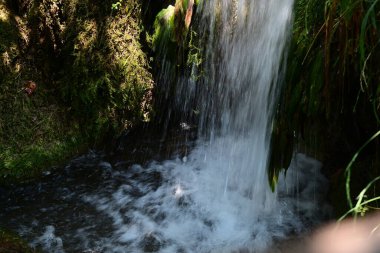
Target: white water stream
(245,48)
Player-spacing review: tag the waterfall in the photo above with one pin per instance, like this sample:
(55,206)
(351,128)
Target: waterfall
(244,50)
(215,199)
(245,44)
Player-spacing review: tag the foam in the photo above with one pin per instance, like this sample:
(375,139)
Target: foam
(185,213)
(49,241)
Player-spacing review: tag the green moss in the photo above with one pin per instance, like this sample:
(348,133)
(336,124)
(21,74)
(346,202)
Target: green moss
(22,165)
(164,29)
(92,79)
(109,72)
(171,27)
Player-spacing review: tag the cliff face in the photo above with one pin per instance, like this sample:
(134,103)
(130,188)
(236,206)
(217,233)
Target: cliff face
(70,73)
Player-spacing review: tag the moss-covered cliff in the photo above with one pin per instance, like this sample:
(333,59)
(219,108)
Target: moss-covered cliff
(89,77)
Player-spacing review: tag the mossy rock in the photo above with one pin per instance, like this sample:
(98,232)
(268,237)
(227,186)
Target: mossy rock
(108,69)
(93,80)
(163,36)
(172,24)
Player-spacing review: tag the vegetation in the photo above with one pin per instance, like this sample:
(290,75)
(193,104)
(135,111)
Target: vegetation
(91,80)
(362,205)
(106,63)
(332,97)
(10,242)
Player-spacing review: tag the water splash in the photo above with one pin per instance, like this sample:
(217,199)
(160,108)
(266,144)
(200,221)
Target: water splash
(49,241)
(183,214)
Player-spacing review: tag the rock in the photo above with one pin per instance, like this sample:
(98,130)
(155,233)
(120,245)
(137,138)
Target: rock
(152,242)
(172,24)
(163,28)
(182,18)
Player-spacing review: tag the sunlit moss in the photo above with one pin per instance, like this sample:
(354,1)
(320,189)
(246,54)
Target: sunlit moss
(4,13)
(164,28)
(92,78)
(87,36)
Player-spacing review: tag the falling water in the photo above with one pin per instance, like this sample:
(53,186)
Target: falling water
(217,198)
(245,49)
(245,46)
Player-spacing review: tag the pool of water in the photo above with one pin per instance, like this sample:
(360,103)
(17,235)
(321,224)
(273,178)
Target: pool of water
(108,203)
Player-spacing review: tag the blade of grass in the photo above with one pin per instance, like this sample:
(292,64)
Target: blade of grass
(362,194)
(363,30)
(354,208)
(349,168)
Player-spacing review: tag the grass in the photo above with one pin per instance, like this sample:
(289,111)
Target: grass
(333,56)
(331,100)
(20,166)
(362,203)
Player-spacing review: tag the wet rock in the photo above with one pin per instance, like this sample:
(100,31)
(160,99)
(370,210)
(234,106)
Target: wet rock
(181,250)
(135,170)
(184,126)
(154,212)
(184,201)
(90,251)
(242,250)
(152,243)
(105,165)
(183,12)
(151,179)
(208,223)
(123,165)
